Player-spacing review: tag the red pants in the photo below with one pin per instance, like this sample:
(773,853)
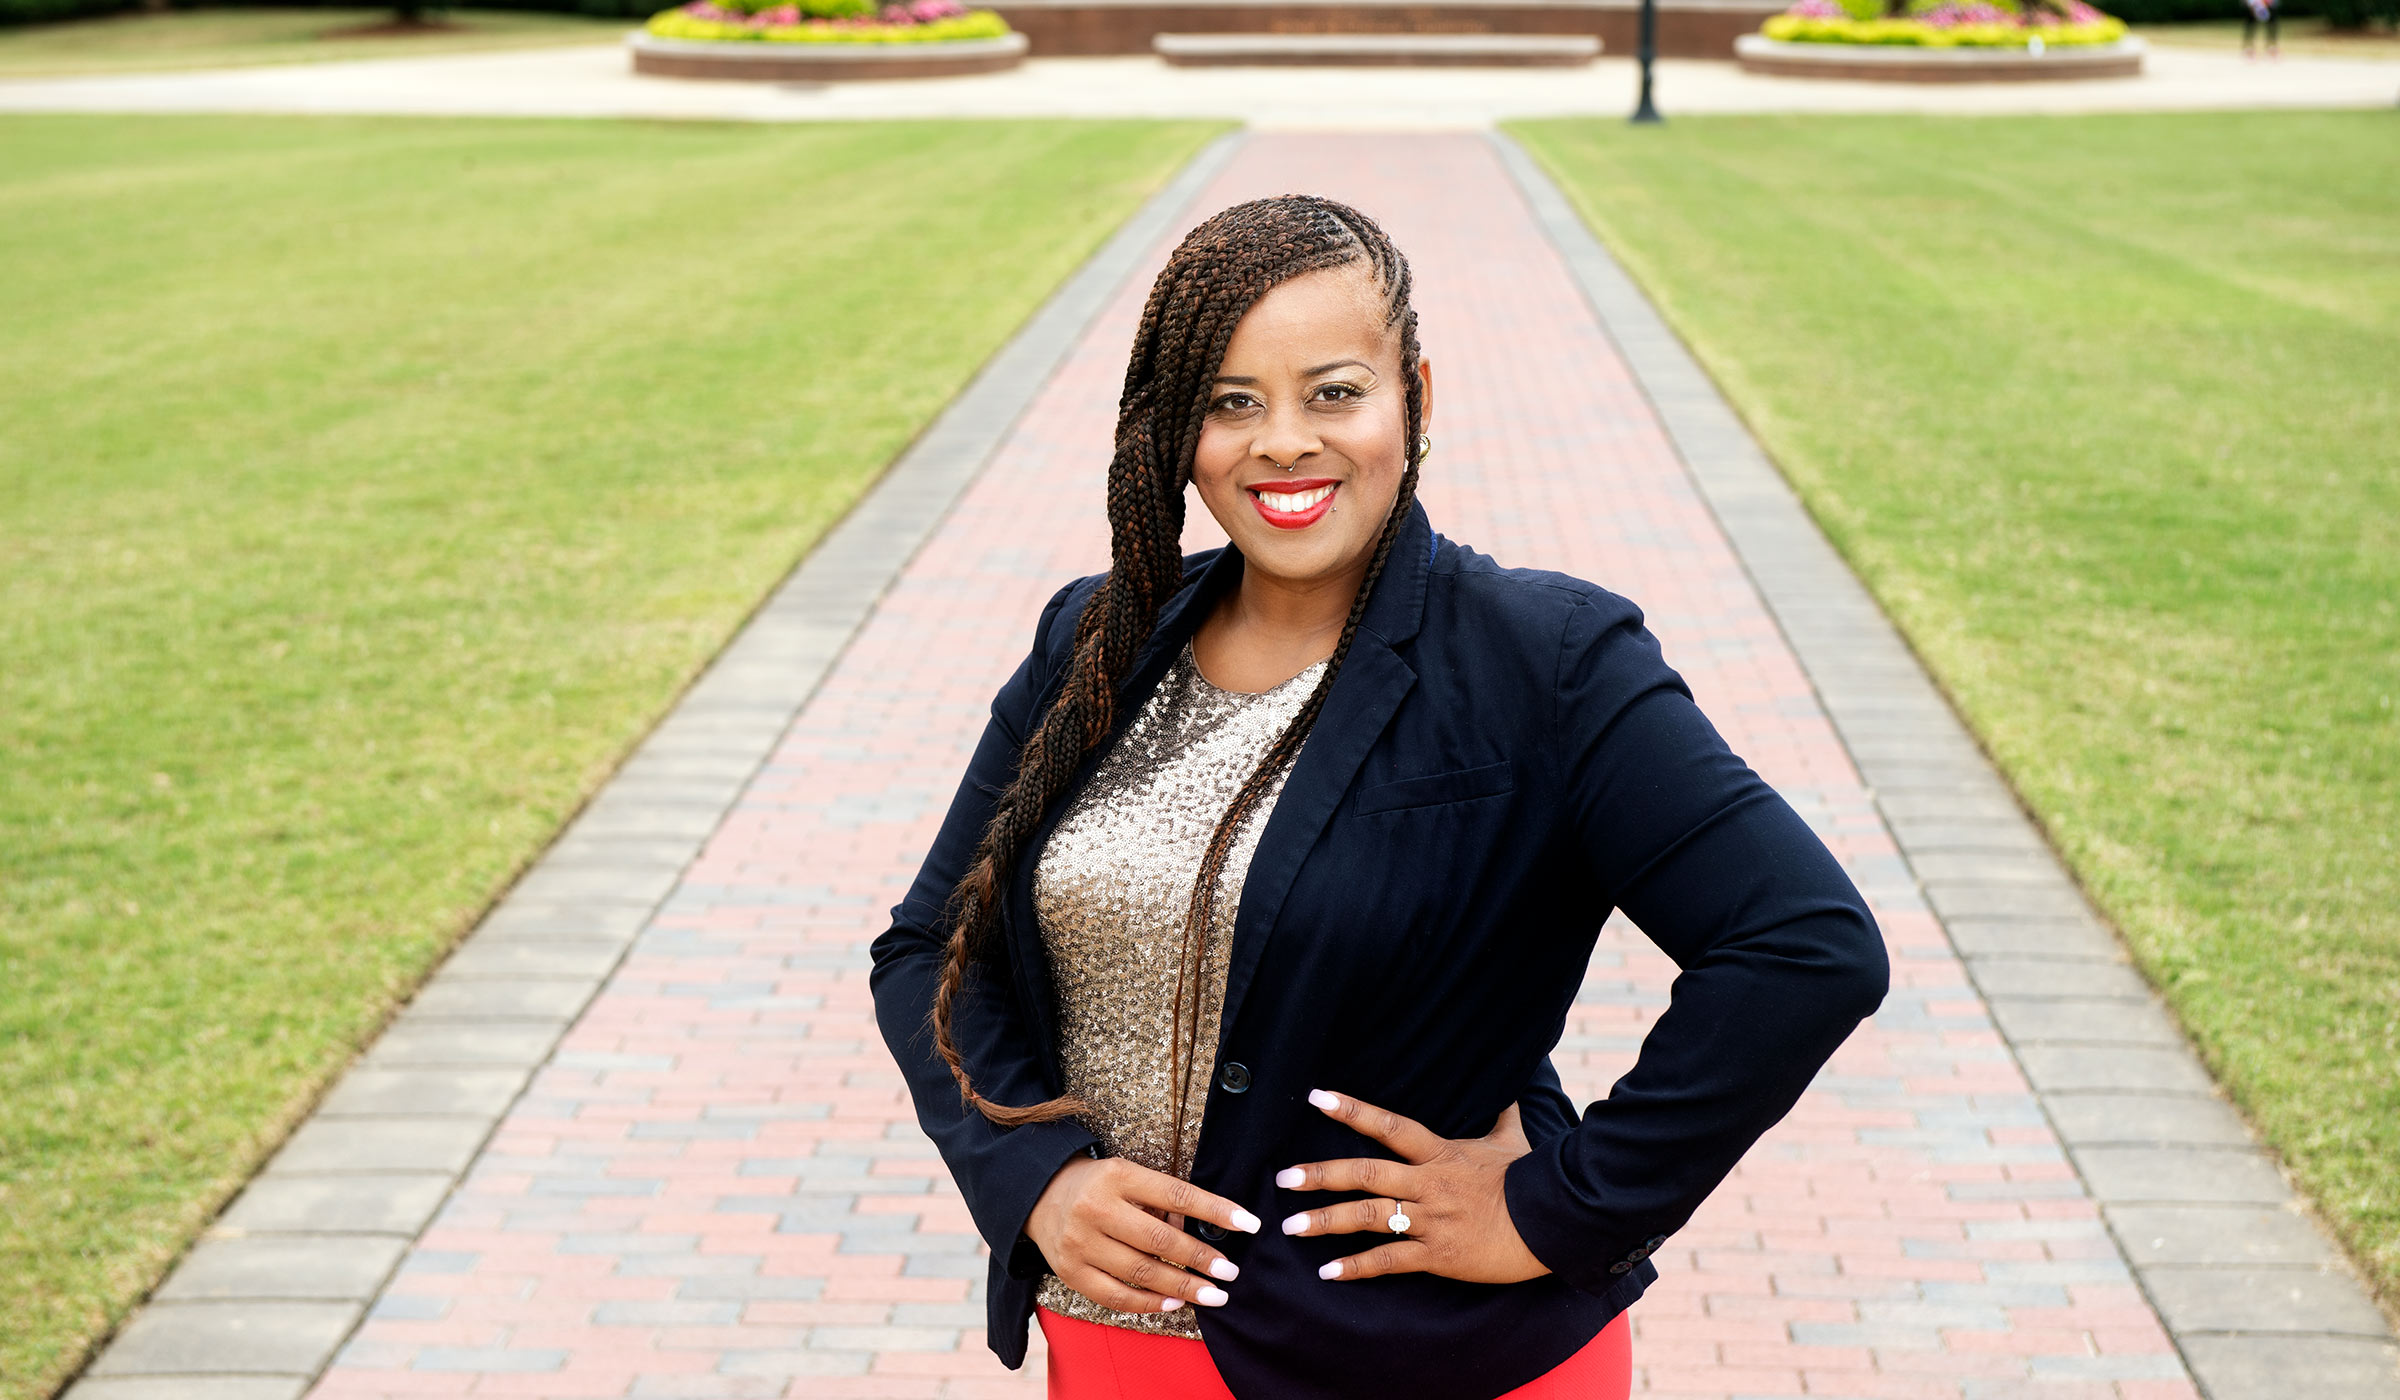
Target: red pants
(1089,1361)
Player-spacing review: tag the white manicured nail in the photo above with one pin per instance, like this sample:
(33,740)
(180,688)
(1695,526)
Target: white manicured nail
(1290,1178)
(1224,1269)
(1245,1222)
(1332,1270)
(1323,1100)
(1293,1225)
(1213,1297)
(1170,1305)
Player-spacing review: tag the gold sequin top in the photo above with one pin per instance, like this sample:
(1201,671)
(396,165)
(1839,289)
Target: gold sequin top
(1110,891)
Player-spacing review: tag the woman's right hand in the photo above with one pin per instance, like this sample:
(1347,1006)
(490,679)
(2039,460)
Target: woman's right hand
(1111,1231)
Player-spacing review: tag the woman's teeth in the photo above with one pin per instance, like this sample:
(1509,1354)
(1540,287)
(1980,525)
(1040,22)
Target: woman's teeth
(1292,502)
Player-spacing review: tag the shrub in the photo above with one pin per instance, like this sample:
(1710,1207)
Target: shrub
(1946,24)
(2190,11)
(30,11)
(2358,14)
(916,22)
(602,9)
(2133,12)
(793,11)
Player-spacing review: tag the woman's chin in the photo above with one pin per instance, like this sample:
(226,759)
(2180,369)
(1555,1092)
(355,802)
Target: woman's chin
(1302,557)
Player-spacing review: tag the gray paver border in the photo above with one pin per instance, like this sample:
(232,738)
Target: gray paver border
(2256,1298)
(247,1316)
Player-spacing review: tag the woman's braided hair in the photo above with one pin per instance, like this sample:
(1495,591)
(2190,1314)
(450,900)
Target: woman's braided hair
(1214,276)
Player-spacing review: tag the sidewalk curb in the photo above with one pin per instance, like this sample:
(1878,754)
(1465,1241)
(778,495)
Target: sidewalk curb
(271,1291)
(2260,1304)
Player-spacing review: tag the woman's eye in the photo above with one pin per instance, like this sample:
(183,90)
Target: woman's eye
(1338,392)
(1233,403)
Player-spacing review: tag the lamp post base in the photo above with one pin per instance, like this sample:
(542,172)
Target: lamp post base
(1645,112)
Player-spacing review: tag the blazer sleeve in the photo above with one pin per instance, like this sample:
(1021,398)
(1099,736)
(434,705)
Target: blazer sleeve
(1000,1172)
(1543,1109)
(1779,958)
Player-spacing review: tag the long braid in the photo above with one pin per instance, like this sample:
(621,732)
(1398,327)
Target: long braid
(1213,278)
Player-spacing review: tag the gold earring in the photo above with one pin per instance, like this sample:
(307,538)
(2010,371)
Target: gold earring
(1424,446)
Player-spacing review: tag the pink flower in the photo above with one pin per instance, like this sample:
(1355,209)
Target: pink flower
(1960,12)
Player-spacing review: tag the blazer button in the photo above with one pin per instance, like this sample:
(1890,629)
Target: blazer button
(1209,1229)
(1234,1078)
(1654,1242)
(1622,1266)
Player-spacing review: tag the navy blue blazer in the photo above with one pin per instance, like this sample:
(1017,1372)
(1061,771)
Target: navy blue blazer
(1503,759)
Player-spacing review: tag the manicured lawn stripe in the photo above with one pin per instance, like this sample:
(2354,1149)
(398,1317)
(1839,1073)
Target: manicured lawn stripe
(2103,409)
(366,488)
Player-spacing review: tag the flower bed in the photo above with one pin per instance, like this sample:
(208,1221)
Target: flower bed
(829,22)
(1943,24)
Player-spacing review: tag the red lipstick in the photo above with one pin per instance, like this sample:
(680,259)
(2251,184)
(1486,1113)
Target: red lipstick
(1269,498)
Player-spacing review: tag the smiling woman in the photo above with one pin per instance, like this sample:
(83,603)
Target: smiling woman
(1276,872)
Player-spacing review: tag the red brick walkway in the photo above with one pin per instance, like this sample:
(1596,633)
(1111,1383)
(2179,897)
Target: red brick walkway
(717,1188)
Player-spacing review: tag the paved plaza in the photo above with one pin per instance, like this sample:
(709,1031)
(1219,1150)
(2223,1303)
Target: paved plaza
(597,81)
(2015,1181)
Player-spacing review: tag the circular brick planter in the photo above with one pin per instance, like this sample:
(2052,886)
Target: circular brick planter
(1898,63)
(759,60)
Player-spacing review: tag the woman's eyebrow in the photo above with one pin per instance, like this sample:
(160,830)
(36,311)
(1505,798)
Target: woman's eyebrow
(1310,373)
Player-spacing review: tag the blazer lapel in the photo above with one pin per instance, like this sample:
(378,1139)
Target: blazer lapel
(1374,679)
(1372,683)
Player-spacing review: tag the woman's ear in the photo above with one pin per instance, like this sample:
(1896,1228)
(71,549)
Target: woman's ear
(1424,397)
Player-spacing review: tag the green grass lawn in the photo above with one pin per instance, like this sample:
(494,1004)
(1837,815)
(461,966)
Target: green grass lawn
(139,41)
(2104,409)
(366,488)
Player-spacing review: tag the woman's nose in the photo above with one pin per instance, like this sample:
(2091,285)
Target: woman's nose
(1285,437)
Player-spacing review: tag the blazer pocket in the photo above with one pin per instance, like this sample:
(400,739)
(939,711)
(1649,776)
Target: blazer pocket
(1438,789)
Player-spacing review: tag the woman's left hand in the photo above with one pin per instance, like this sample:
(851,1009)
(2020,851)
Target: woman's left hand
(1450,1190)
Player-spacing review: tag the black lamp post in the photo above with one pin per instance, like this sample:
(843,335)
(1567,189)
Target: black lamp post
(1646,53)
